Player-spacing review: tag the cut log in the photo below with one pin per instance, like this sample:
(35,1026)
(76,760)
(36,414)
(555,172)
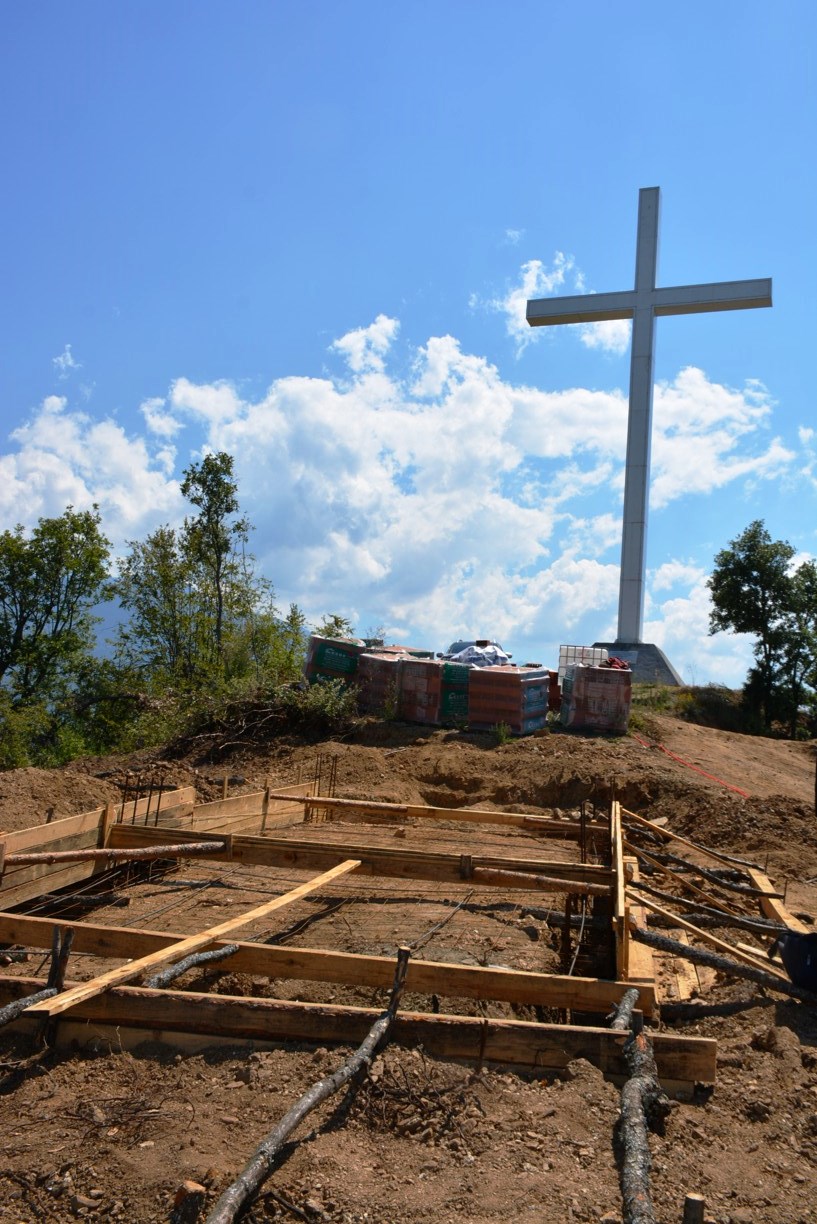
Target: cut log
(194,961)
(182,850)
(642,1104)
(714,941)
(246,1186)
(623,1017)
(700,956)
(60,950)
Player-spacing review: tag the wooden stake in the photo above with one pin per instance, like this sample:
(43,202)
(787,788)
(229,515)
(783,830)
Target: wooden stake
(694,1209)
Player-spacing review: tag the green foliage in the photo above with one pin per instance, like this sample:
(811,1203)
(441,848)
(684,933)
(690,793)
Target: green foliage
(502,733)
(20,728)
(326,708)
(202,647)
(755,590)
(211,537)
(200,618)
(48,585)
(335,626)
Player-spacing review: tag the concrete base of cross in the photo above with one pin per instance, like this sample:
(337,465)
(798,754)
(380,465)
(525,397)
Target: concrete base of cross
(649,663)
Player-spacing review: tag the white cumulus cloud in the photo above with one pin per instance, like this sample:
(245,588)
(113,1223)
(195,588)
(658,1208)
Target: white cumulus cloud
(447,501)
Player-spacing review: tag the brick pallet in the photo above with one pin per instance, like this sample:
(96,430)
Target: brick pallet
(596,698)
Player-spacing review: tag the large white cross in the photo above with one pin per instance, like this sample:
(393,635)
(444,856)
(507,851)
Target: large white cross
(643,304)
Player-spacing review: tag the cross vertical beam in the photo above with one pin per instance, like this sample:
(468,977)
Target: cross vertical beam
(639,424)
(643,304)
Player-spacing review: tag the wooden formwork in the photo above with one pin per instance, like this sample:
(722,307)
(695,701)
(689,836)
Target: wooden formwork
(276,831)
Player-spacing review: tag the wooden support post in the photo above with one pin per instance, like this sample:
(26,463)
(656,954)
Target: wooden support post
(107,820)
(265,808)
(620,932)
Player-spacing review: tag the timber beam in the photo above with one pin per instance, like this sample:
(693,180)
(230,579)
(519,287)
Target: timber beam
(374,860)
(540,1047)
(590,995)
(570,830)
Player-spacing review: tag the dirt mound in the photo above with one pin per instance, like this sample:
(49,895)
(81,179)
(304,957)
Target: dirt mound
(109,1135)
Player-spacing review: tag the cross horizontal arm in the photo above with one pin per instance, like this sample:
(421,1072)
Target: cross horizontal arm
(699,299)
(584,308)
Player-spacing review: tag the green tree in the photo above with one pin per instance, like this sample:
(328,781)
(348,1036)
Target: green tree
(335,626)
(797,669)
(199,615)
(755,590)
(213,536)
(165,635)
(49,584)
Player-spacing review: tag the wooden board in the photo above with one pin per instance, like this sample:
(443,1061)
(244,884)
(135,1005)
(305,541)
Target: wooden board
(568,829)
(545,1047)
(375,860)
(621,933)
(641,960)
(773,907)
(593,995)
(191,943)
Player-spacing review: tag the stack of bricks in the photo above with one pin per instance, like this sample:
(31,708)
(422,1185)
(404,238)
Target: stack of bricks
(516,697)
(378,677)
(332,658)
(454,694)
(596,698)
(421,683)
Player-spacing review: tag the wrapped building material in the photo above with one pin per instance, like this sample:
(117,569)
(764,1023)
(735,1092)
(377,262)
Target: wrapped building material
(589,656)
(517,697)
(454,694)
(596,698)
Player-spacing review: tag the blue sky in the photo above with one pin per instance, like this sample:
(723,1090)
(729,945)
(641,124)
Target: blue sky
(303,233)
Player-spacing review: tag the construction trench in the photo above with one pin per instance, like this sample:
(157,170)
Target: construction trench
(526,937)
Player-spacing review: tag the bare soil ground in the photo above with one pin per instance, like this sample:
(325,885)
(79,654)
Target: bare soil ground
(102,1133)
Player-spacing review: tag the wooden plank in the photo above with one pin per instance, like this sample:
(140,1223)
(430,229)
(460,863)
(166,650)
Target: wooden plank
(641,959)
(620,931)
(772,907)
(687,982)
(23,883)
(375,860)
(53,879)
(416,811)
(682,881)
(351,969)
(252,803)
(191,943)
(546,1047)
(42,835)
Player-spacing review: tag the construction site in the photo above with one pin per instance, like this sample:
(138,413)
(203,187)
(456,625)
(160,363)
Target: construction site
(198,941)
